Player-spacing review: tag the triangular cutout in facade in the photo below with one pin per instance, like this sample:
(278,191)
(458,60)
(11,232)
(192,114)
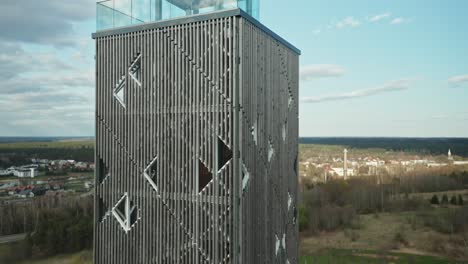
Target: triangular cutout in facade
(150,173)
(102,209)
(224,154)
(103,171)
(135,70)
(126,213)
(119,92)
(204,176)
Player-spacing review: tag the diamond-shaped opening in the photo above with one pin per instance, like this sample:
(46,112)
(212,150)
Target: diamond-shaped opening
(103,171)
(126,213)
(135,70)
(204,176)
(150,173)
(224,154)
(119,92)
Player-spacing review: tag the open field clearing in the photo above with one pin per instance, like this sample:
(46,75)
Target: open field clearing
(393,233)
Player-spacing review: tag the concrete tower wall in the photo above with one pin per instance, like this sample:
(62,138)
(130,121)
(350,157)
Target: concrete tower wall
(180,177)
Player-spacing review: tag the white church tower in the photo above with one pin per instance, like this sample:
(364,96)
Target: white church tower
(450,155)
(345,164)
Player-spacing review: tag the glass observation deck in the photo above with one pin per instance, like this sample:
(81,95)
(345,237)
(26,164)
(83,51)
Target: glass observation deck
(119,13)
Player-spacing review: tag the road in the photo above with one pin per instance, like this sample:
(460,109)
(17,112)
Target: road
(12,238)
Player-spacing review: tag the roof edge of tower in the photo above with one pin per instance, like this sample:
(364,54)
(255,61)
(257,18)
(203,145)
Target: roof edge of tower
(192,19)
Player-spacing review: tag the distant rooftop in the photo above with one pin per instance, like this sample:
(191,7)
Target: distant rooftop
(119,13)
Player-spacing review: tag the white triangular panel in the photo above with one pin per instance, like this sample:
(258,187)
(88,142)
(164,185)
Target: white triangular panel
(119,92)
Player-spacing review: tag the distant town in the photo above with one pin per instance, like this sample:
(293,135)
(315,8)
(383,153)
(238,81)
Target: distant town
(319,167)
(46,177)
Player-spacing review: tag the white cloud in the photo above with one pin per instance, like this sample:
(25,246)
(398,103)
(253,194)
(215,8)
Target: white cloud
(379,17)
(458,79)
(43,93)
(316,71)
(400,20)
(397,85)
(44,22)
(348,22)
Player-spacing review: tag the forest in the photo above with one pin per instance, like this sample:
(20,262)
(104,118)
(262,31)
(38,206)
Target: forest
(434,146)
(53,225)
(21,153)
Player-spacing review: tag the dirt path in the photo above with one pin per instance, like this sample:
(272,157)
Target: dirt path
(12,238)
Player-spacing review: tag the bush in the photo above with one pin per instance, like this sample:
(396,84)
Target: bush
(351,234)
(412,221)
(400,237)
(460,199)
(405,205)
(331,218)
(453,200)
(435,200)
(445,200)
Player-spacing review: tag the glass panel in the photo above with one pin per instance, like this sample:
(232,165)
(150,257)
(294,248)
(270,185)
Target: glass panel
(228,4)
(252,7)
(141,12)
(255,12)
(125,6)
(178,7)
(105,17)
(119,13)
(242,4)
(121,19)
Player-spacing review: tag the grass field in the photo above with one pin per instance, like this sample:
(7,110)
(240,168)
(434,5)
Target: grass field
(353,256)
(84,257)
(378,233)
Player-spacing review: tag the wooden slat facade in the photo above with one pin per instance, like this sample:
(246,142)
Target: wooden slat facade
(215,99)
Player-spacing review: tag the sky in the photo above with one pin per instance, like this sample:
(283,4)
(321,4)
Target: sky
(368,68)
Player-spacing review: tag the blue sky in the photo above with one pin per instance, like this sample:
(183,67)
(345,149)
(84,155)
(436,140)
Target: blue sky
(368,68)
(379,68)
